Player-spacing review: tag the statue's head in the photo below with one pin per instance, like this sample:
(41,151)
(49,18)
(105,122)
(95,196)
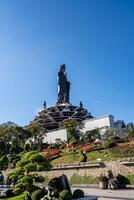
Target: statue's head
(62,68)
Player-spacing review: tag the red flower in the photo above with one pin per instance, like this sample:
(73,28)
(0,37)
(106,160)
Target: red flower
(86,147)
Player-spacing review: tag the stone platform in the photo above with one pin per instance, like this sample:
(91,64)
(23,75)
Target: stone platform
(52,118)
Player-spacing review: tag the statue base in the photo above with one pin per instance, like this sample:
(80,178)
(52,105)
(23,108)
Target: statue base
(64,104)
(52,118)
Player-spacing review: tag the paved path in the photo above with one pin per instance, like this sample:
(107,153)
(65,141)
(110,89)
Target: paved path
(124,194)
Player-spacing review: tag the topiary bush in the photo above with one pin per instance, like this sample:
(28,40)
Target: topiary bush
(27,181)
(38,158)
(30,162)
(30,167)
(22,163)
(38,194)
(123,180)
(18,189)
(78,194)
(29,154)
(65,195)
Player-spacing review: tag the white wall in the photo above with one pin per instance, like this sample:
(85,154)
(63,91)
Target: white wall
(98,122)
(91,124)
(52,136)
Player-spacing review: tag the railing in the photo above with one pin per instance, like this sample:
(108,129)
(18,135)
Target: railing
(127,161)
(6,186)
(78,165)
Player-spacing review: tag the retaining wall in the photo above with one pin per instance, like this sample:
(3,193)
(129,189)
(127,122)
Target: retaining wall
(115,166)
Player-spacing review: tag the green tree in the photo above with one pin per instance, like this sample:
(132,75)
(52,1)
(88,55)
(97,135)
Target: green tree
(36,133)
(109,133)
(12,138)
(30,162)
(72,127)
(129,132)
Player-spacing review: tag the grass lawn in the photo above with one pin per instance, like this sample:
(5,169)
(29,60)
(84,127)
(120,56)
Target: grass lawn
(105,155)
(67,158)
(76,179)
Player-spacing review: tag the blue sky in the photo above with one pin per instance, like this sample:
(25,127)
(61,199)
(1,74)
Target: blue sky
(95,39)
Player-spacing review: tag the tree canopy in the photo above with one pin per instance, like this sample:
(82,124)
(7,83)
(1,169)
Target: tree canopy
(72,127)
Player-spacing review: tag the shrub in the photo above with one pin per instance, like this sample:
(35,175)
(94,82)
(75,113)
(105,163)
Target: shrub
(20,176)
(15,174)
(18,188)
(30,167)
(78,194)
(33,188)
(29,154)
(45,166)
(108,144)
(122,179)
(40,168)
(22,163)
(38,194)
(131,178)
(37,158)
(31,161)
(27,180)
(65,195)
(27,196)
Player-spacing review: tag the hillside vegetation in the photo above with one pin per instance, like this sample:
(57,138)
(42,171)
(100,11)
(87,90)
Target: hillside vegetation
(114,153)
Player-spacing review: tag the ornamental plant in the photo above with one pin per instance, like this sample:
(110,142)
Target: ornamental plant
(65,195)
(38,194)
(51,153)
(22,176)
(78,194)
(86,148)
(103,178)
